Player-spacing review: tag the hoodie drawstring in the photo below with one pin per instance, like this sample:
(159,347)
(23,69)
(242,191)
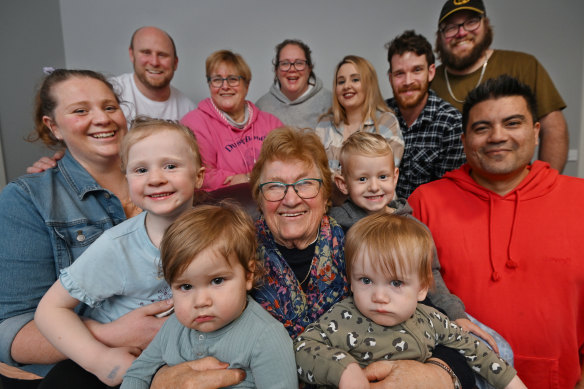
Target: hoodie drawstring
(510,263)
(495,276)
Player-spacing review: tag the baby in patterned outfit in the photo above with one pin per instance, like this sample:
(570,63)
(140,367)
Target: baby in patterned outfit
(389,265)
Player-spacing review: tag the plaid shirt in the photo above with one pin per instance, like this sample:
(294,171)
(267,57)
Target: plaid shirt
(432,144)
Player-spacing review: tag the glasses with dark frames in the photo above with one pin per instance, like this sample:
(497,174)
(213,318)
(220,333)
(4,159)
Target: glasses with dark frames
(217,81)
(469,25)
(299,64)
(307,188)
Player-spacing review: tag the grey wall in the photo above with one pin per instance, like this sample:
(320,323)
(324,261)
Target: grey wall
(30,38)
(96,35)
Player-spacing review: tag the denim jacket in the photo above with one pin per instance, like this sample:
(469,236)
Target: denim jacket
(46,221)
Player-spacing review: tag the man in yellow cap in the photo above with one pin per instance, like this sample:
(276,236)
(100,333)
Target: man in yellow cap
(463,45)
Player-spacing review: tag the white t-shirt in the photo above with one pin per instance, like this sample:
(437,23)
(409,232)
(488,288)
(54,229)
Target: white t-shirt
(135,103)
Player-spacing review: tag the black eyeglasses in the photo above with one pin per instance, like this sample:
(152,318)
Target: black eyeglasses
(469,25)
(299,65)
(306,188)
(217,81)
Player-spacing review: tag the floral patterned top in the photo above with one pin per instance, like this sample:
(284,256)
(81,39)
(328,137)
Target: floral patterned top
(281,294)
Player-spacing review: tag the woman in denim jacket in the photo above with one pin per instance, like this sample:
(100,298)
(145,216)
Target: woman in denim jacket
(48,219)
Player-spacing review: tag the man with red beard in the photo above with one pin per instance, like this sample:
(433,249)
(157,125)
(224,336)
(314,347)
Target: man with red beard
(462,42)
(147,91)
(431,127)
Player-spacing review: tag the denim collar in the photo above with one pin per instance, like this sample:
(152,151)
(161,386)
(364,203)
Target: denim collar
(80,181)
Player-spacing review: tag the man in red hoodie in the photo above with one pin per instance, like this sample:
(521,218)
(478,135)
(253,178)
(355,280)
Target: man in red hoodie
(510,236)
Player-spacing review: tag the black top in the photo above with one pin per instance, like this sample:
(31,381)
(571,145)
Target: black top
(299,261)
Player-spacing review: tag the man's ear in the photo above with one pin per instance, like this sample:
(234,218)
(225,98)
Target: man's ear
(537,129)
(175,63)
(131,54)
(341,184)
(431,72)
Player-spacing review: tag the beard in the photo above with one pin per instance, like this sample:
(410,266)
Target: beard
(461,63)
(411,101)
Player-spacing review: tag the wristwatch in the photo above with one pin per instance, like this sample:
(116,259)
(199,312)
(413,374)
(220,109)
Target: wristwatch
(455,380)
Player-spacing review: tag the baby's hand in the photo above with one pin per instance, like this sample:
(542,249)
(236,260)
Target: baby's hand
(353,377)
(113,364)
(469,326)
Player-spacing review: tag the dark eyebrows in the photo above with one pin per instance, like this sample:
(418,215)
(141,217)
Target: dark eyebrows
(516,116)
(480,123)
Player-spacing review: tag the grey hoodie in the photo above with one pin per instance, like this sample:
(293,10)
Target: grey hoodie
(302,112)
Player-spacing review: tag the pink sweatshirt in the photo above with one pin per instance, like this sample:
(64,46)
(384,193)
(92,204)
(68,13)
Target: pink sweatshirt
(227,150)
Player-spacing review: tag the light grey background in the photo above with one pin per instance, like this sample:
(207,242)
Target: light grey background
(96,34)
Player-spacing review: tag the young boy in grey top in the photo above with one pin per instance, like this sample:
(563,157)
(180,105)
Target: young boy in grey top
(369,177)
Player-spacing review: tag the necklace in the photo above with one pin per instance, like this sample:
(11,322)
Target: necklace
(305,278)
(478,83)
(310,267)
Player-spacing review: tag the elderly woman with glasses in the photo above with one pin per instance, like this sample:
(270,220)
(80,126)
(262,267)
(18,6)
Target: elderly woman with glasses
(230,130)
(302,250)
(297,96)
(301,247)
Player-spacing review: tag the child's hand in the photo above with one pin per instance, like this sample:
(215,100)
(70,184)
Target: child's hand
(111,365)
(134,329)
(469,326)
(353,377)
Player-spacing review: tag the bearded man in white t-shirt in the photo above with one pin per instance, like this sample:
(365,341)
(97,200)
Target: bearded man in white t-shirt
(147,91)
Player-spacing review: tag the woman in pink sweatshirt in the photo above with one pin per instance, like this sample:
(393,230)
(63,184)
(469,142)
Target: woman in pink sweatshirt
(230,130)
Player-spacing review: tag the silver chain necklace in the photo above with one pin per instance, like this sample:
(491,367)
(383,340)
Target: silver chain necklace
(478,83)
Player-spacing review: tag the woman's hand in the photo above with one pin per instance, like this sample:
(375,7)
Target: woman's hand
(353,377)
(111,365)
(469,326)
(236,179)
(45,163)
(134,329)
(204,373)
(407,374)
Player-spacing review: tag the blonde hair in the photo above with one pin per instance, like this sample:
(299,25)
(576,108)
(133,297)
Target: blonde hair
(225,227)
(364,143)
(370,85)
(143,127)
(230,58)
(394,244)
(288,144)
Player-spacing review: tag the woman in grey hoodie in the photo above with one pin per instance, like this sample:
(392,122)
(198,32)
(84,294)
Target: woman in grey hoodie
(297,96)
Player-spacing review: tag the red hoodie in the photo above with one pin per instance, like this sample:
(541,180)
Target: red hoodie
(517,263)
